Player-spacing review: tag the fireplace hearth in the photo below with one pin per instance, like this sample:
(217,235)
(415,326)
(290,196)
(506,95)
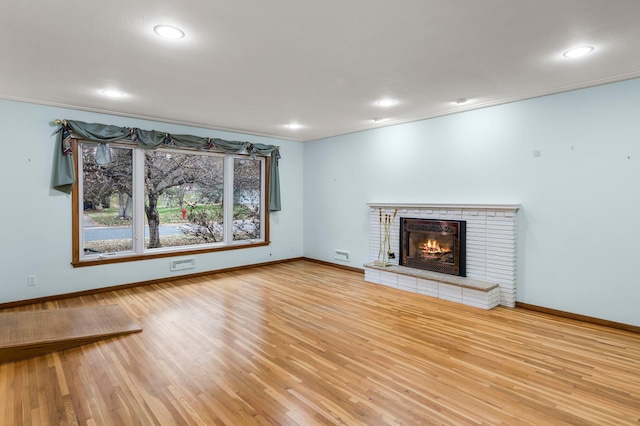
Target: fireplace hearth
(433,245)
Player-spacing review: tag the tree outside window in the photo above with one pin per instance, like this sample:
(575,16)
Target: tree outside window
(191,199)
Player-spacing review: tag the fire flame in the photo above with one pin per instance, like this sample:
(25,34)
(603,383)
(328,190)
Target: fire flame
(432,246)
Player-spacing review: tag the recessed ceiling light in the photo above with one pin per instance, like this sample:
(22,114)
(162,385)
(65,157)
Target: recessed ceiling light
(461,101)
(294,126)
(577,52)
(112,93)
(167,31)
(386,102)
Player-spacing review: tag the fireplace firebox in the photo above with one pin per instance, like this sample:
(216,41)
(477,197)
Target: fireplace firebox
(433,245)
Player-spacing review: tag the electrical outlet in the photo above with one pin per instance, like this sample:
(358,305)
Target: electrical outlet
(32,280)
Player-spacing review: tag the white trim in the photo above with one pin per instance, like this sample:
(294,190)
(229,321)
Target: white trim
(227,206)
(138,201)
(514,207)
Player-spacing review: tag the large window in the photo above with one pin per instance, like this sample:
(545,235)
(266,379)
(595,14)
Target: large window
(133,203)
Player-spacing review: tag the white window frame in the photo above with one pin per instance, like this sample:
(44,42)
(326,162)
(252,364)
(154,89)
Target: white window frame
(139,251)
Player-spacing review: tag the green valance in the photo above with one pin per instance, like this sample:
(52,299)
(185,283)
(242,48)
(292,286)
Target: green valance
(63,171)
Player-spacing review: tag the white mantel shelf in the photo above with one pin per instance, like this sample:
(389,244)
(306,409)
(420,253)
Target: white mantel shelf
(512,207)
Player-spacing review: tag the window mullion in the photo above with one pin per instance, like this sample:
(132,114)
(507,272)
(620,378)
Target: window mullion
(228,199)
(264,209)
(80,200)
(138,200)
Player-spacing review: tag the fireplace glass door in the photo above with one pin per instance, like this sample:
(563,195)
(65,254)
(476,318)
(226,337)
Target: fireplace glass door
(433,245)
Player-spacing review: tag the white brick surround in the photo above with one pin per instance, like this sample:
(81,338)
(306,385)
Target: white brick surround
(491,245)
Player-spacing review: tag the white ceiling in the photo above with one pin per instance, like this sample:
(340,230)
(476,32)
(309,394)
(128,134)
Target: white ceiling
(253,66)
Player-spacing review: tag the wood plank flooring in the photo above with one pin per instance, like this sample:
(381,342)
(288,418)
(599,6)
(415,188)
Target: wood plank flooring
(301,343)
(36,332)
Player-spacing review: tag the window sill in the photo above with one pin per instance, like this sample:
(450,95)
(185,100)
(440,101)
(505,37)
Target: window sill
(138,257)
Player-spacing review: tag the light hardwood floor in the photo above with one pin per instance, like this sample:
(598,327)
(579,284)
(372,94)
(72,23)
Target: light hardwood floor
(307,344)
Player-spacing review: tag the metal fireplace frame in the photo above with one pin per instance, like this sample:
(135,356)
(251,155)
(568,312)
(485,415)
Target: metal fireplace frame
(455,228)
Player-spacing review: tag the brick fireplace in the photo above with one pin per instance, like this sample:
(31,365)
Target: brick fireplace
(490,253)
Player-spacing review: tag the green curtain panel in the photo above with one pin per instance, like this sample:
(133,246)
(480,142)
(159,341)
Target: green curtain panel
(63,171)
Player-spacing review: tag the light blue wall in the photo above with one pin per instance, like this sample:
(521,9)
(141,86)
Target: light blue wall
(579,228)
(35,231)
(580,201)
